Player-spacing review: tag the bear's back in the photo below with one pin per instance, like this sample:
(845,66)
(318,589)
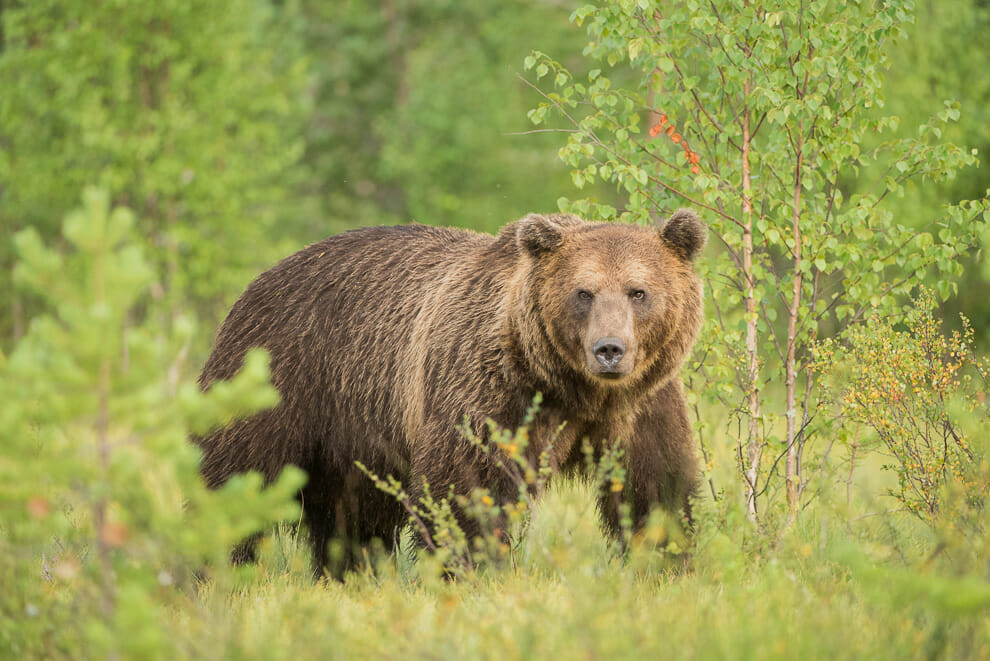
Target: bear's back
(337,318)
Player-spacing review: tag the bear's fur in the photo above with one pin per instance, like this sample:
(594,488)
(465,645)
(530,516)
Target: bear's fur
(383,339)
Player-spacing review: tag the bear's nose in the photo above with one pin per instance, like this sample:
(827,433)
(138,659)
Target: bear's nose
(609,351)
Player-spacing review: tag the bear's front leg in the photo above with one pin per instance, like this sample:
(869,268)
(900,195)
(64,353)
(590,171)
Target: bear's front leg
(453,469)
(660,462)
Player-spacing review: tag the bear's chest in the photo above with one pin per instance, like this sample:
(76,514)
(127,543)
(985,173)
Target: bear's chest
(568,440)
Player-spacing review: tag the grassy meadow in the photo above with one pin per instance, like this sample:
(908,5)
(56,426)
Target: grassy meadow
(819,591)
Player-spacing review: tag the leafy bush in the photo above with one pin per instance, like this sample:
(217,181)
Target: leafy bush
(905,384)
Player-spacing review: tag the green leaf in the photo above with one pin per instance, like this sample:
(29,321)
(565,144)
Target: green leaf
(635,47)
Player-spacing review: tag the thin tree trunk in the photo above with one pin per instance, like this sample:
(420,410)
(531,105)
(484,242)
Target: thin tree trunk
(852,469)
(172,260)
(790,368)
(754,448)
(102,429)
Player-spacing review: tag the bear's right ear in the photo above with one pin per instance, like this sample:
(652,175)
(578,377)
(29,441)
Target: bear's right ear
(538,234)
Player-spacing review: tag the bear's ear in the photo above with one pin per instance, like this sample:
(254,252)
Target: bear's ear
(538,234)
(685,232)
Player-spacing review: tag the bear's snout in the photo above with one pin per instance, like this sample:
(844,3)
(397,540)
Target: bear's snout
(609,338)
(609,351)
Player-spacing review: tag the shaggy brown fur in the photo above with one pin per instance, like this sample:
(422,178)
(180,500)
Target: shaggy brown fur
(383,339)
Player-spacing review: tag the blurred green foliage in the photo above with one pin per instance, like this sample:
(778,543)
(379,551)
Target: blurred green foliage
(189,113)
(416,104)
(945,55)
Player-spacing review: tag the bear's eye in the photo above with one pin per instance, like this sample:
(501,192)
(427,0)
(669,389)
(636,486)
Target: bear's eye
(637,294)
(584,295)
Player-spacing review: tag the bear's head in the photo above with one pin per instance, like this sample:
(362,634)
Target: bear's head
(618,304)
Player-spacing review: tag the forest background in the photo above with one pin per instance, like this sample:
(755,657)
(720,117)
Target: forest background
(155,157)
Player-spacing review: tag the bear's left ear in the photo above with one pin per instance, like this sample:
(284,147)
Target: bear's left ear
(537,234)
(685,232)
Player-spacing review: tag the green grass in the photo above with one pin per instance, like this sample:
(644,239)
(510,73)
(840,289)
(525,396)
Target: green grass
(570,595)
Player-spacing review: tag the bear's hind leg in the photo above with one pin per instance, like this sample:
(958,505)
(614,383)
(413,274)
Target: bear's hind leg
(319,500)
(345,514)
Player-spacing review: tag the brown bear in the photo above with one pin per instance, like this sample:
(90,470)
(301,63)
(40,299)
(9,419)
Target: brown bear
(384,340)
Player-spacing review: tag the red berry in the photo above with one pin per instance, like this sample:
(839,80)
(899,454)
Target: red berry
(695,169)
(676,138)
(655,130)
